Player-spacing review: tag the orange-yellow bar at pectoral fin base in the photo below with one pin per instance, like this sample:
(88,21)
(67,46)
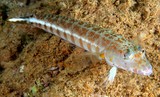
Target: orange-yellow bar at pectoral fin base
(101,55)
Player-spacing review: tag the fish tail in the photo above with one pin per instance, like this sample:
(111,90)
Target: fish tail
(22,19)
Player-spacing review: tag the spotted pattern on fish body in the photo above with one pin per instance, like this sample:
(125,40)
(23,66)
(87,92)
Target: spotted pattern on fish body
(87,36)
(117,51)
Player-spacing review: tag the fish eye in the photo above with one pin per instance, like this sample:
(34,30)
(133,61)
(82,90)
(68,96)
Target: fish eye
(126,55)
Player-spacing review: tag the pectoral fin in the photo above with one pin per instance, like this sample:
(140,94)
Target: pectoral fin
(112,74)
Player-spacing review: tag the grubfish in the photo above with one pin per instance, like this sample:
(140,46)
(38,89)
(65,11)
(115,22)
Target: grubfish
(114,48)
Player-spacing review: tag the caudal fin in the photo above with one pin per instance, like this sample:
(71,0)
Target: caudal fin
(18,19)
(23,20)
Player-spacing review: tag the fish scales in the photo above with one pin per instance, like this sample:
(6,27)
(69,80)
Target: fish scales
(90,37)
(114,48)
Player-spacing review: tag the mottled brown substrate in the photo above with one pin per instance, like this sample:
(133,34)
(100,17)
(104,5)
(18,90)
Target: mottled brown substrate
(34,62)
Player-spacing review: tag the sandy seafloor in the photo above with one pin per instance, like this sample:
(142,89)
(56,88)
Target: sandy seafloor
(36,63)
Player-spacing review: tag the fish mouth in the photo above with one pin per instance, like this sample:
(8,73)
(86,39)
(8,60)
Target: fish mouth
(145,71)
(148,71)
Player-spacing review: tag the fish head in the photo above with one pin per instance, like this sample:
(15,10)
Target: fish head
(132,59)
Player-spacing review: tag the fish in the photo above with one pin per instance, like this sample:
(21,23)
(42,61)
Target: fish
(114,48)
